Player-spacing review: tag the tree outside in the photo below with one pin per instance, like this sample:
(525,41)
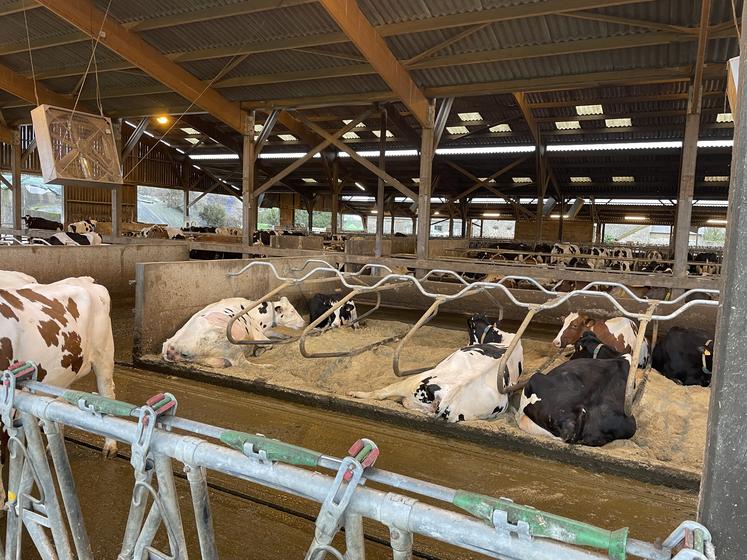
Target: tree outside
(213,215)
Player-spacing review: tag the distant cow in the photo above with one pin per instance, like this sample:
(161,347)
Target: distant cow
(685,356)
(619,258)
(10,279)
(161,232)
(345,315)
(69,238)
(619,333)
(202,339)
(64,328)
(84,226)
(581,401)
(33,222)
(564,252)
(707,264)
(464,385)
(232,231)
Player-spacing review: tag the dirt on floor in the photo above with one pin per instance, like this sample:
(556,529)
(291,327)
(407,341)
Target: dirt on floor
(671,418)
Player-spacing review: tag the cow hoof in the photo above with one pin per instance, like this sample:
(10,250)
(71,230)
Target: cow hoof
(110,449)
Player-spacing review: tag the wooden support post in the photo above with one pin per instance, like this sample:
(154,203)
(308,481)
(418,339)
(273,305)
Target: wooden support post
(117,190)
(15,166)
(687,185)
(335,189)
(249,206)
(424,192)
(380,187)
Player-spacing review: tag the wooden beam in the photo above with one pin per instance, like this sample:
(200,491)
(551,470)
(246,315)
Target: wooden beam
(6,135)
(228,139)
(705,16)
(606,18)
(23,87)
(84,15)
(354,24)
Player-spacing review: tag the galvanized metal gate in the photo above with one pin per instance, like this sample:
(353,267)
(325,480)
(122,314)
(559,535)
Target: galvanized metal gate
(495,527)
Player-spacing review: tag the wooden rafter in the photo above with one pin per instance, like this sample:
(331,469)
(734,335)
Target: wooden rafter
(705,16)
(84,15)
(354,24)
(23,87)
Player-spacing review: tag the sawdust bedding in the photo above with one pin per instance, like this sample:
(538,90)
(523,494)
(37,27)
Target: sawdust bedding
(671,418)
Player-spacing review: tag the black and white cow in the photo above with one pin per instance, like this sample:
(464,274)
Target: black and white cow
(685,356)
(84,226)
(589,346)
(464,385)
(619,259)
(70,238)
(34,222)
(564,253)
(580,401)
(598,257)
(345,315)
(708,263)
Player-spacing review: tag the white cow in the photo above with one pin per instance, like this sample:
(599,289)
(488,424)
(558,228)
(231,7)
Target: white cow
(70,238)
(202,339)
(65,329)
(84,226)
(10,279)
(462,387)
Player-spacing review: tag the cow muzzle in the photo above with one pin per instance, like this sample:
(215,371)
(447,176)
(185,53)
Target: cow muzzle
(171,355)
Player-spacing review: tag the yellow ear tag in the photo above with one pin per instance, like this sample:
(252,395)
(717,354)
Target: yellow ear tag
(11,496)
(706,352)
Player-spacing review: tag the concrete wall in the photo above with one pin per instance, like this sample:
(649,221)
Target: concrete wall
(439,247)
(367,246)
(306,242)
(112,266)
(169,293)
(403,245)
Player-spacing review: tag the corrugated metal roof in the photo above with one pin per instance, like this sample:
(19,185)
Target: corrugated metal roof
(338,86)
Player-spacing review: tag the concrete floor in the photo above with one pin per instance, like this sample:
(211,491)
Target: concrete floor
(280,526)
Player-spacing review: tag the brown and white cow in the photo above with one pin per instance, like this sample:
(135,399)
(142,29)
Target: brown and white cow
(619,333)
(10,279)
(65,329)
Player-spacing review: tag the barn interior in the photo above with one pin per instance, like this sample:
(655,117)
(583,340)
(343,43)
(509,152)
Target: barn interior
(434,160)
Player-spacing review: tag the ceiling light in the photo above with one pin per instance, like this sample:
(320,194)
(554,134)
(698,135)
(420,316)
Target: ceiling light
(568,125)
(523,180)
(580,179)
(287,137)
(178,150)
(724,117)
(416,179)
(193,140)
(163,119)
(716,222)
(350,136)
(258,127)
(457,129)
(616,123)
(190,130)
(361,187)
(589,110)
(500,128)
(359,125)
(308,180)
(557,216)
(377,133)
(214,157)
(483,179)
(437,213)
(623,179)
(468,117)
(374,211)
(636,218)
(716,179)
(715,143)
(491,215)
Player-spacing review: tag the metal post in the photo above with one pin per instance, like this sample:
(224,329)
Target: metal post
(186,205)
(424,191)
(135,517)
(401,542)
(687,185)
(249,207)
(380,187)
(723,501)
(203,513)
(354,544)
(17,193)
(116,210)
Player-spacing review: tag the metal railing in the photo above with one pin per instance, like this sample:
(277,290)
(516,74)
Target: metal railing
(496,527)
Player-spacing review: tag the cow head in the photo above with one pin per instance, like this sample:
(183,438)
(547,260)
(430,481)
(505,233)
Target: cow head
(286,315)
(573,327)
(706,353)
(482,330)
(349,314)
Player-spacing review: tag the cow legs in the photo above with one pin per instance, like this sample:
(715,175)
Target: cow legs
(103,369)
(395,391)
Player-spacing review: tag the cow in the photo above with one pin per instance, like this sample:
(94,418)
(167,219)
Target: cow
(619,258)
(619,333)
(563,253)
(589,346)
(198,229)
(202,339)
(656,267)
(84,226)
(579,402)
(685,355)
(201,255)
(65,329)
(161,232)
(464,385)
(345,315)
(33,222)
(598,257)
(10,279)
(230,231)
(710,264)
(70,238)
(262,237)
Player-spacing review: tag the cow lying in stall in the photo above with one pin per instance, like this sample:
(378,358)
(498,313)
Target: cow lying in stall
(619,333)
(464,385)
(34,222)
(75,239)
(202,339)
(84,226)
(64,328)
(685,356)
(581,401)
(345,315)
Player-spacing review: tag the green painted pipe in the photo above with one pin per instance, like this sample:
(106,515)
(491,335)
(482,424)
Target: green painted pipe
(101,405)
(546,525)
(275,450)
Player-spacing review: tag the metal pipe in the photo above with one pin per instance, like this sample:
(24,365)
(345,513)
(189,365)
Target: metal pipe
(203,512)
(429,314)
(354,537)
(507,354)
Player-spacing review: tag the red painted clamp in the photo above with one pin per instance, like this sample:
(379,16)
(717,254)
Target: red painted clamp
(365,452)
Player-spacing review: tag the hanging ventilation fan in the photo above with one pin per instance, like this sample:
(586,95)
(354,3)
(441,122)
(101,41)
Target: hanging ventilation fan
(76,148)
